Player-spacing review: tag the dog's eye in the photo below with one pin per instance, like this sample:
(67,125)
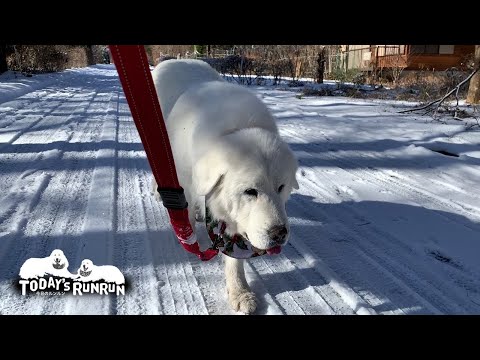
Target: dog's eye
(280,188)
(251,192)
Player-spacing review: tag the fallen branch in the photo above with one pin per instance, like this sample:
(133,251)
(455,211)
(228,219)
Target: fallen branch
(441,100)
(476,118)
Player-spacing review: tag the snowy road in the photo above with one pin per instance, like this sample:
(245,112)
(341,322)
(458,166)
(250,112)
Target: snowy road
(381,224)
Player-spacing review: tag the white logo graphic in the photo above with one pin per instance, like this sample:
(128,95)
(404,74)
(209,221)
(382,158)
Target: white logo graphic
(56,264)
(90,272)
(50,276)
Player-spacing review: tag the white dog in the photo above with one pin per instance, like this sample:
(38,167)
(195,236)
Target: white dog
(227,148)
(56,264)
(90,272)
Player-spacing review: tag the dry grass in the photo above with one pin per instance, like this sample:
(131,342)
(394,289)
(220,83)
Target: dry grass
(50,58)
(428,85)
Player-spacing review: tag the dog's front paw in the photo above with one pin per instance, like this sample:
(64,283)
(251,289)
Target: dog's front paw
(245,302)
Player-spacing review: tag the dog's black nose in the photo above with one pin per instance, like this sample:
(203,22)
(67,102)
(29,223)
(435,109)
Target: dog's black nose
(278,233)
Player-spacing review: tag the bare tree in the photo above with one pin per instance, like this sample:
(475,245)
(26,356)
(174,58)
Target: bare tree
(260,62)
(473,96)
(294,54)
(241,64)
(277,65)
(398,64)
(320,65)
(251,62)
(90,56)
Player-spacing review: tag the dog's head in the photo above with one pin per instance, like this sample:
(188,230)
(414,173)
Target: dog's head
(59,260)
(247,179)
(86,268)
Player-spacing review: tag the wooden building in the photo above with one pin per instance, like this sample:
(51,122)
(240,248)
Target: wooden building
(410,57)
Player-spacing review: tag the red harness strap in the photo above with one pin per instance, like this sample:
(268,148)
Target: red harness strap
(134,72)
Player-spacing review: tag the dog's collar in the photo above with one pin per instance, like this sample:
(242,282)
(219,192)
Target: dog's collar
(58,266)
(85,273)
(237,246)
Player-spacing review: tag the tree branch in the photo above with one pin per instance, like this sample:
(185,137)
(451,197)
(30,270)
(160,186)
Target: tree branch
(441,100)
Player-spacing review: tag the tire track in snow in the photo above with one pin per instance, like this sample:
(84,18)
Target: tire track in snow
(131,254)
(306,297)
(23,122)
(58,79)
(464,277)
(41,132)
(310,276)
(361,305)
(57,220)
(384,272)
(382,178)
(66,226)
(97,234)
(100,130)
(43,160)
(32,103)
(423,281)
(405,189)
(400,268)
(373,281)
(164,290)
(63,181)
(288,271)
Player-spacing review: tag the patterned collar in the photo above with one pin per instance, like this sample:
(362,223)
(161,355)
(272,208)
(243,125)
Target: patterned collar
(237,246)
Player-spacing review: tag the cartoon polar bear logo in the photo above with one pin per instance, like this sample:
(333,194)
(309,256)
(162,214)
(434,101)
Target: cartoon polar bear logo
(56,264)
(90,272)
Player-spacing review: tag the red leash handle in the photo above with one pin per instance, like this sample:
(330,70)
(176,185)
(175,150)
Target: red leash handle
(134,73)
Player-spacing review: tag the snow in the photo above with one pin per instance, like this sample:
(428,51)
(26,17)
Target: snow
(382,222)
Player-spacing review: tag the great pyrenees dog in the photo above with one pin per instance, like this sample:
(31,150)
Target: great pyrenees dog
(90,272)
(228,151)
(56,264)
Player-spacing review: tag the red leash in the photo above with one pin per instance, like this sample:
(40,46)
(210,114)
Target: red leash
(134,72)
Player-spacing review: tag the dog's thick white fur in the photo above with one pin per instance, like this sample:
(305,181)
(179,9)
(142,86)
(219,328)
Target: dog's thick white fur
(226,147)
(34,268)
(90,272)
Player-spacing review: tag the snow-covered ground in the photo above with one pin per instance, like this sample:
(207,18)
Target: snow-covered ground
(381,223)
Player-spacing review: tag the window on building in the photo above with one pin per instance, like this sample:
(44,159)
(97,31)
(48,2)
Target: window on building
(425,49)
(446,49)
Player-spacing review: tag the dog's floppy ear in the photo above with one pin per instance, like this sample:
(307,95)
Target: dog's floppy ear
(208,171)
